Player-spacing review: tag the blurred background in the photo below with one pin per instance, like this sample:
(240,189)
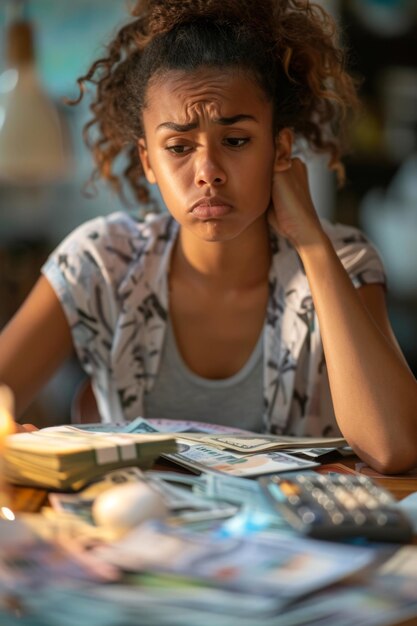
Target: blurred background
(46,44)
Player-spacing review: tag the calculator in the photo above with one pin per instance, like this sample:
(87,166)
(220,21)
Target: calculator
(336,507)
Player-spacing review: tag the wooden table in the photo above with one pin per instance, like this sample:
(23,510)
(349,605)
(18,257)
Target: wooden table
(27,499)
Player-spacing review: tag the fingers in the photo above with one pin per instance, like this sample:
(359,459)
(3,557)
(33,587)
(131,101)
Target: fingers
(299,165)
(298,162)
(7,406)
(25,428)
(290,163)
(282,164)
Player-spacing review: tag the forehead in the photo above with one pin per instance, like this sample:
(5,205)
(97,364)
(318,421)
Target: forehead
(183,96)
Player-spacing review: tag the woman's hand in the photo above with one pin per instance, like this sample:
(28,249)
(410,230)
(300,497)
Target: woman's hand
(25,428)
(8,425)
(292,213)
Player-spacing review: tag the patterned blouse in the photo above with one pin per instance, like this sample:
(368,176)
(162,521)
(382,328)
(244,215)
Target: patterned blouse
(111,276)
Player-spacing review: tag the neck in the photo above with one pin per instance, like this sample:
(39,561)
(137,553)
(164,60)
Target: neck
(239,263)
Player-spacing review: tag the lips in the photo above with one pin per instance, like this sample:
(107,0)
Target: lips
(211,208)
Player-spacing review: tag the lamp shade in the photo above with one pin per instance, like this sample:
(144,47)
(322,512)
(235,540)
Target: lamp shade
(33,148)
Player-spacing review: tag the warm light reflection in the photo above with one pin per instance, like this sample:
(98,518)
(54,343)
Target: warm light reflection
(7,426)
(7,514)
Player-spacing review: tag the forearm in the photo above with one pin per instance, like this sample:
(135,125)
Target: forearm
(34,344)
(374,393)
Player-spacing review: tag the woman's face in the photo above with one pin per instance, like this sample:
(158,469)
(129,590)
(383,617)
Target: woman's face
(210,148)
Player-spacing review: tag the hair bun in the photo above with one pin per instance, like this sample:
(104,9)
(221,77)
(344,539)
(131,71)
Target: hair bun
(163,15)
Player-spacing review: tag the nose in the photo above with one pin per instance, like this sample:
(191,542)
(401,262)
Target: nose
(209,170)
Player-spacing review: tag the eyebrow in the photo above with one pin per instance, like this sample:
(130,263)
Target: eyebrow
(223,121)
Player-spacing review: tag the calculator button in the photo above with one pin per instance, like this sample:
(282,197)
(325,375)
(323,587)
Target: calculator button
(307,515)
(329,505)
(365,498)
(308,485)
(381,519)
(289,488)
(349,502)
(384,498)
(359,518)
(393,516)
(323,499)
(337,518)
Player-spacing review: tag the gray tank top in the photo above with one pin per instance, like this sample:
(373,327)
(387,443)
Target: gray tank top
(178,393)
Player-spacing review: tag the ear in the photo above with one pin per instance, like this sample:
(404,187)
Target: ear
(144,159)
(283,148)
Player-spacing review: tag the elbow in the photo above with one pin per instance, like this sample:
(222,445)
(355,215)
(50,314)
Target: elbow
(389,466)
(390,459)
(388,446)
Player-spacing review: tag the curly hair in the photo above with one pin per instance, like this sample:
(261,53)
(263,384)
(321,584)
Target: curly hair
(289,46)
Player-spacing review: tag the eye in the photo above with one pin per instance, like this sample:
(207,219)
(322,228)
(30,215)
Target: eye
(179,149)
(236,142)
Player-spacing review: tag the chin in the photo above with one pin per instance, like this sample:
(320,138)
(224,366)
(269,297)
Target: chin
(216,231)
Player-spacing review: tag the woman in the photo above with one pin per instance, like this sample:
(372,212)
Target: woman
(238,306)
